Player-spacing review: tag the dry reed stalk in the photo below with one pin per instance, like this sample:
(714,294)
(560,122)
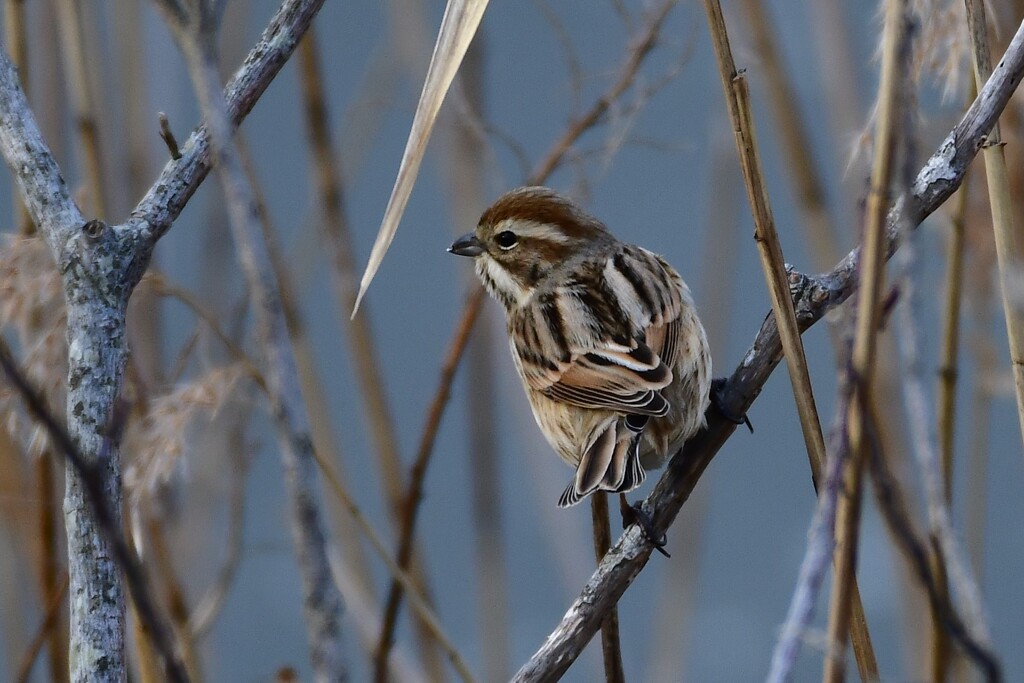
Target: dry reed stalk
(1008,243)
(71,16)
(862,362)
(335,228)
(309,378)
(950,346)
(737,97)
(820,536)
(985,362)
(611,649)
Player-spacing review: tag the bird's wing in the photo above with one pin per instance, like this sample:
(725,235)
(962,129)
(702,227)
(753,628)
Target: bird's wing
(605,339)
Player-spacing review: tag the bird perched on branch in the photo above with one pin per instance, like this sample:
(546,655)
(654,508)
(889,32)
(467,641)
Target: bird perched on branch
(604,335)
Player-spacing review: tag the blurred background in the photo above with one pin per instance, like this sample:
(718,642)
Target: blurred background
(501,562)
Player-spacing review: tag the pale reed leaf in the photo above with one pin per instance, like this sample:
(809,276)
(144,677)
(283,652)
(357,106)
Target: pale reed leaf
(461,19)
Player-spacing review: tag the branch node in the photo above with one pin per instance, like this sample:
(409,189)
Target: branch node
(94,229)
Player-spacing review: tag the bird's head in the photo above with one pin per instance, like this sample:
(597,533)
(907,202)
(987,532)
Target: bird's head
(525,236)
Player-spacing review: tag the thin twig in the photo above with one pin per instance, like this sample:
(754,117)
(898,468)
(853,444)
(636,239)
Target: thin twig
(167,135)
(813,298)
(637,52)
(125,557)
(919,425)
(611,649)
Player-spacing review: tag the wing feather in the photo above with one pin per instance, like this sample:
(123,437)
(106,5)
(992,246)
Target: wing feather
(606,339)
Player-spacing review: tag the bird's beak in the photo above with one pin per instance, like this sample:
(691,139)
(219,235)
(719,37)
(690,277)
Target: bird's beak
(467,245)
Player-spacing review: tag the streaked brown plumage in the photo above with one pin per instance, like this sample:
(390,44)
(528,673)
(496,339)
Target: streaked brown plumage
(604,335)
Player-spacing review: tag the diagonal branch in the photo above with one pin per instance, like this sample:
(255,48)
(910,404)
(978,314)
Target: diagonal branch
(813,297)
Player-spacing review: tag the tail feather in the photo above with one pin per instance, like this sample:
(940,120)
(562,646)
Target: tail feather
(612,463)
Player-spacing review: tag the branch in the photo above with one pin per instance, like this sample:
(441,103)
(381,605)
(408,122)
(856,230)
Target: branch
(813,297)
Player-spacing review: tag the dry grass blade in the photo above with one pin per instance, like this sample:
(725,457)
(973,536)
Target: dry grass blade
(1009,244)
(737,97)
(461,18)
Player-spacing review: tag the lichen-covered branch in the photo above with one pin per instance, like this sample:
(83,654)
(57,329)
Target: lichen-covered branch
(812,298)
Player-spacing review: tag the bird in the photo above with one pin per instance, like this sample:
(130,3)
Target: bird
(604,336)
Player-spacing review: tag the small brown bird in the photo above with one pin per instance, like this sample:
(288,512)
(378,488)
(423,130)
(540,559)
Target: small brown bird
(604,335)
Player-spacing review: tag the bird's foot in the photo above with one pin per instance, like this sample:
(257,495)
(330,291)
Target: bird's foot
(717,400)
(634,514)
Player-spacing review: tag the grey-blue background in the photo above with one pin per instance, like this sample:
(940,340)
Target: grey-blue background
(746,524)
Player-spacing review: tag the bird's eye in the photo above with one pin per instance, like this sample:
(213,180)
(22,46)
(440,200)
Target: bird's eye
(507,239)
